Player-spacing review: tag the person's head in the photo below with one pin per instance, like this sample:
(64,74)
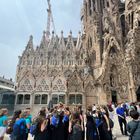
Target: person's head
(61,105)
(42,112)
(17,114)
(28,110)
(89,108)
(104,109)
(4,111)
(23,114)
(134,114)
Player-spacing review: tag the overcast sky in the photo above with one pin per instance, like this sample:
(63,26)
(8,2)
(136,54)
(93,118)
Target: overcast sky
(21,18)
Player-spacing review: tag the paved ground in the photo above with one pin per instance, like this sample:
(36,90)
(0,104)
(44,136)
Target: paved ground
(116,132)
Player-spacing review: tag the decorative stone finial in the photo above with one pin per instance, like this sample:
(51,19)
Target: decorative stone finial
(52,32)
(44,33)
(70,32)
(31,37)
(62,33)
(79,32)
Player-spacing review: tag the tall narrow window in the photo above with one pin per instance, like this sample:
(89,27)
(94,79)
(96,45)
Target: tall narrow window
(44,99)
(123,24)
(132,19)
(79,99)
(62,98)
(20,99)
(72,99)
(86,11)
(11,100)
(55,99)
(108,4)
(37,99)
(5,99)
(27,99)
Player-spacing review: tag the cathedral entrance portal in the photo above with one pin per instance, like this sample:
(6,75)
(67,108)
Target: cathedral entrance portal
(114,96)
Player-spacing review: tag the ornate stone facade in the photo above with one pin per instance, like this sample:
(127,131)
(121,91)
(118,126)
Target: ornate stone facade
(113,28)
(99,66)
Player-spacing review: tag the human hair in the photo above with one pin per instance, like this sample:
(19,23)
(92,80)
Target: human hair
(89,108)
(16,114)
(3,111)
(42,113)
(75,117)
(134,114)
(28,108)
(23,114)
(106,110)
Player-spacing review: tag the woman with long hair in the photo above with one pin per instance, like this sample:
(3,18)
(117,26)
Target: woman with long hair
(106,133)
(75,127)
(43,131)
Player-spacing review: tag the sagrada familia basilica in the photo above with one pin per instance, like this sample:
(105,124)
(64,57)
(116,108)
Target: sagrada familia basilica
(101,65)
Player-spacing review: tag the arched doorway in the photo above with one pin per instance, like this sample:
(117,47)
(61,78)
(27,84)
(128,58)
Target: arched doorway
(138,94)
(114,96)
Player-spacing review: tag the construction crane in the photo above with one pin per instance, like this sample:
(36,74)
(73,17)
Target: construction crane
(49,21)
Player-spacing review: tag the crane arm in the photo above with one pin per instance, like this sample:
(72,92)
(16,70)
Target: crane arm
(50,20)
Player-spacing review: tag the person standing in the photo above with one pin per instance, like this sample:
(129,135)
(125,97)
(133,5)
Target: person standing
(133,127)
(106,133)
(3,122)
(75,127)
(43,131)
(91,133)
(28,120)
(19,128)
(122,119)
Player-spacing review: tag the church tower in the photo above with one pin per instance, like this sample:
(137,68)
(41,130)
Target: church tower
(132,45)
(92,33)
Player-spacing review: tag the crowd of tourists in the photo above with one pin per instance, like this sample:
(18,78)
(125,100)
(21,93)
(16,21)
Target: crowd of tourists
(63,123)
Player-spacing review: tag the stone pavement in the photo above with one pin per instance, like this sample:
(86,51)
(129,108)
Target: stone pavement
(116,132)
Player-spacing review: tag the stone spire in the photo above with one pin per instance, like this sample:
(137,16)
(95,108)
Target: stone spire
(43,43)
(30,43)
(61,41)
(70,42)
(79,41)
(29,47)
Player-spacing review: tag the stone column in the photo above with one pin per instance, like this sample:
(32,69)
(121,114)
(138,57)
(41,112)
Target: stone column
(49,96)
(66,98)
(132,86)
(84,102)
(32,97)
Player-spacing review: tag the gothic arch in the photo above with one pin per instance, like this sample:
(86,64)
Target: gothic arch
(113,49)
